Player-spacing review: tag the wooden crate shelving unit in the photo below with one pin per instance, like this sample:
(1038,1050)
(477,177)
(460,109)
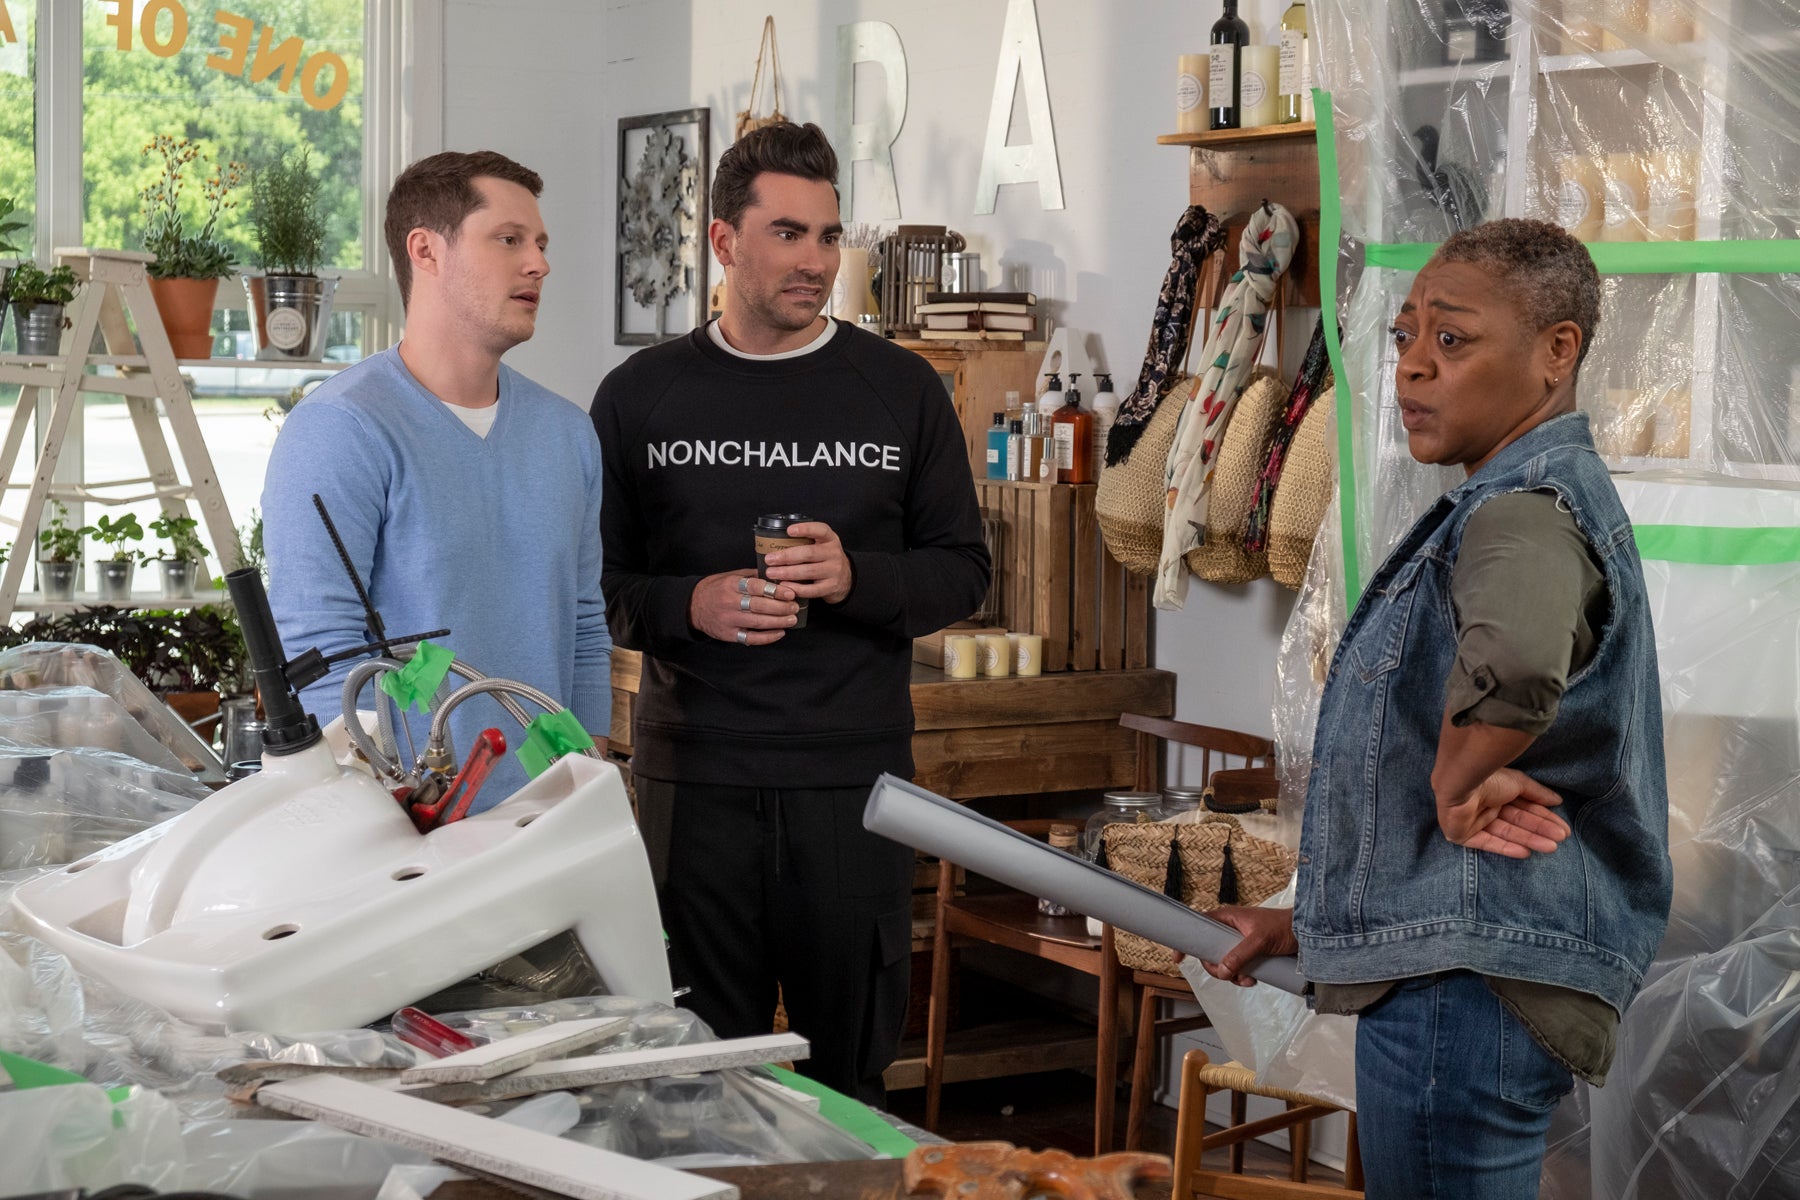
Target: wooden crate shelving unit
(1057,578)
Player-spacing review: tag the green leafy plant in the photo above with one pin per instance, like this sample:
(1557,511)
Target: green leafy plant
(179,254)
(10,226)
(31,286)
(250,548)
(57,542)
(194,651)
(119,535)
(183,536)
(287,216)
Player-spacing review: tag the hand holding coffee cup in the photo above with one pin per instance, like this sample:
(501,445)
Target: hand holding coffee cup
(804,554)
(738,606)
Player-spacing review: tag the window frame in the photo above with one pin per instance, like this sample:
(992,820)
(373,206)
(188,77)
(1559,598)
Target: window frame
(403,54)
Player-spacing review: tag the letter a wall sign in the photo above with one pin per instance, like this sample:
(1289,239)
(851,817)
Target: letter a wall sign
(1021,66)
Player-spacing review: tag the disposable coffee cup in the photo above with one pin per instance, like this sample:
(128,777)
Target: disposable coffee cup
(771,532)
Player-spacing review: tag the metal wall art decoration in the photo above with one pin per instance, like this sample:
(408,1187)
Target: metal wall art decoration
(872,138)
(665,164)
(1021,65)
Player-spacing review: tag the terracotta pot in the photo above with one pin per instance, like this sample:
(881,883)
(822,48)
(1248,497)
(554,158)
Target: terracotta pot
(193,707)
(186,308)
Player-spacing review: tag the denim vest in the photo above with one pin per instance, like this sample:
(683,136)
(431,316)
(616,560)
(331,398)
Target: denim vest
(1382,894)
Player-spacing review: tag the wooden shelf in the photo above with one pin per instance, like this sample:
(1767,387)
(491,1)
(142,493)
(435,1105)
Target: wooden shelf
(35,602)
(1231,139)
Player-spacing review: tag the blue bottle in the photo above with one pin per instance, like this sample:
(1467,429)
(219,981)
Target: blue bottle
(996,448)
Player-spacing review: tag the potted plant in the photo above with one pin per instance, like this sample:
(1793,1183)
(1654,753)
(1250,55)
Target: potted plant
(37,298)
(59,555)
(114,584)
(290,304)
(185,552)
(10,227)
(184,279)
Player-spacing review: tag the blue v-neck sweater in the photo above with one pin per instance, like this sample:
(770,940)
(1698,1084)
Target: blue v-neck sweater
(496,538)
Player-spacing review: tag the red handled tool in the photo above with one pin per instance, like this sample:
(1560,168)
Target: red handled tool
(454,804)
(429,1034)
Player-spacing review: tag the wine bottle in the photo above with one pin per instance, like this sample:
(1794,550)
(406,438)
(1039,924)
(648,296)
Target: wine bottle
(1296,65)
(1229,37)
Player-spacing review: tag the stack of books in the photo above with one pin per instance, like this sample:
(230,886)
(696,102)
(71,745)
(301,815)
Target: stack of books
(977,316)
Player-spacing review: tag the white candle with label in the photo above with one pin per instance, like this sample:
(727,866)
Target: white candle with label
(1580,200)
(1261,76)
(1190,93)
(962,658)
(1624,199)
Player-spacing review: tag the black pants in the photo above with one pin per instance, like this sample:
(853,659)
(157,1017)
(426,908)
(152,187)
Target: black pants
(763,887)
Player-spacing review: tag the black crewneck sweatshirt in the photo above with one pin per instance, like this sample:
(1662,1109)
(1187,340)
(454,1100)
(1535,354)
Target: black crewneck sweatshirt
(696,444)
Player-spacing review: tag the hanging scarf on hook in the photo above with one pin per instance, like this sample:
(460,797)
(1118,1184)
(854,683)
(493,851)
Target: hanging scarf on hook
(1232,347)
(1198,235)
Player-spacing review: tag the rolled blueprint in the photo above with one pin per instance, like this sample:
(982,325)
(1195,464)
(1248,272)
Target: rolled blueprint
(912,816)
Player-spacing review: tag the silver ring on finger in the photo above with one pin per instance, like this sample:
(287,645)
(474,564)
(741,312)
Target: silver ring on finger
(743,637)
(743,585)
(769,586)
(743,604)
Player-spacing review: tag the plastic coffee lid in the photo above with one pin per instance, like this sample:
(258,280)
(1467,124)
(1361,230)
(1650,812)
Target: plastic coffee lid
(777,523)
(1133,799)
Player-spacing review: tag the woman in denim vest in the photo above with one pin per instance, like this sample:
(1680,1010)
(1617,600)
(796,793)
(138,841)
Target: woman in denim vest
(1484,873)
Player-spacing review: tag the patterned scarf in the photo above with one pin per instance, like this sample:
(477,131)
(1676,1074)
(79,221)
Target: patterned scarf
(1312,382)
(1229,358)
(1198,235)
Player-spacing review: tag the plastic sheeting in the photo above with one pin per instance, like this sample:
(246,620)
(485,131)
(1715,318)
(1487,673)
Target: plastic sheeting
(1667,135)
(57,665)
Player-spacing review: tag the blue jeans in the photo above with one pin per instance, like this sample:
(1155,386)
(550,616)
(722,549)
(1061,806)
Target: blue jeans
(1453,1094)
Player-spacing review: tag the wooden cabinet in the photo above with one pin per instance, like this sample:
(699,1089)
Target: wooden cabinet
(978,374)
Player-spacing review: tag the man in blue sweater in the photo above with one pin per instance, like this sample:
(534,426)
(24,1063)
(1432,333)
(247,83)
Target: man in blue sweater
(467,496)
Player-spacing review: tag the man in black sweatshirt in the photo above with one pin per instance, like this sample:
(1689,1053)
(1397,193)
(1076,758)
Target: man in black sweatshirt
(756,740)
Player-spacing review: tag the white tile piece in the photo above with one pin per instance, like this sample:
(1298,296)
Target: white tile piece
(623,1065)
(521,1050)
(491,1147)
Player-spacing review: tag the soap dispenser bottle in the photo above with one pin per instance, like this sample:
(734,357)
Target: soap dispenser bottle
(1052,398)
(1073,431)
(996,447)
(1106,410)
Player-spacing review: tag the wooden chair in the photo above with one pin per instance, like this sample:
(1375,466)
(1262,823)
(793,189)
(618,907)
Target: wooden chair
(1200,1077)
(1218,748)
(1011,919)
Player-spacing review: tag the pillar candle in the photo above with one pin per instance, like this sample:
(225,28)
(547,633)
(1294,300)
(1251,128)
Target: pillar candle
(1190,93)
(995,653)
(1262,72)
(960,656)
(1028,657)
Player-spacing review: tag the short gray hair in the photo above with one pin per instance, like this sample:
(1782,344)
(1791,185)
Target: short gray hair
(1540,266)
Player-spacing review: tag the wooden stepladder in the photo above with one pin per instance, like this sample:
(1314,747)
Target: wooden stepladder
(114,283)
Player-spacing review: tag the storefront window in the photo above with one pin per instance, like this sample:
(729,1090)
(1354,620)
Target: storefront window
(18,121)
(268,76)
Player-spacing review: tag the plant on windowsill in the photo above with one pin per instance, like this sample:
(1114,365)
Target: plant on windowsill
(59,555)
(290,304)
(114,584)
(183,559)
(37,298)
(184,279)
(10,227)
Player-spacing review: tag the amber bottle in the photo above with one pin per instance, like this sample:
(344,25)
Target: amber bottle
(1072,428)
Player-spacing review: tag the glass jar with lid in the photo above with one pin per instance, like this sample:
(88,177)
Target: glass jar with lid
(1119,808)
(1180,798)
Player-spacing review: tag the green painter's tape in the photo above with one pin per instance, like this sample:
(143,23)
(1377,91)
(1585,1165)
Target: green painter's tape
(548,738)
(851,1116)
(413,685)
(1632,258)
(1331,228)
(1719,545)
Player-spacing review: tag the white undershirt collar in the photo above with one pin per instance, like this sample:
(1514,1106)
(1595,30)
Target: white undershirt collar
(818,343)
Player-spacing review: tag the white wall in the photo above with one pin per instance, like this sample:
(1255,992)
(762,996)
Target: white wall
(547,81)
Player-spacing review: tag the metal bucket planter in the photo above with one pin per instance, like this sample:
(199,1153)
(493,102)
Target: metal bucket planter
(289,315)
(39,328)
(113,581)
(58,579)
(177,578)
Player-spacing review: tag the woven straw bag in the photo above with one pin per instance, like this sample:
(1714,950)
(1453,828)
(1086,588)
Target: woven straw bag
(1221,557)
(1216,861)
(1130,502)
(747,118)
(1302,495)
